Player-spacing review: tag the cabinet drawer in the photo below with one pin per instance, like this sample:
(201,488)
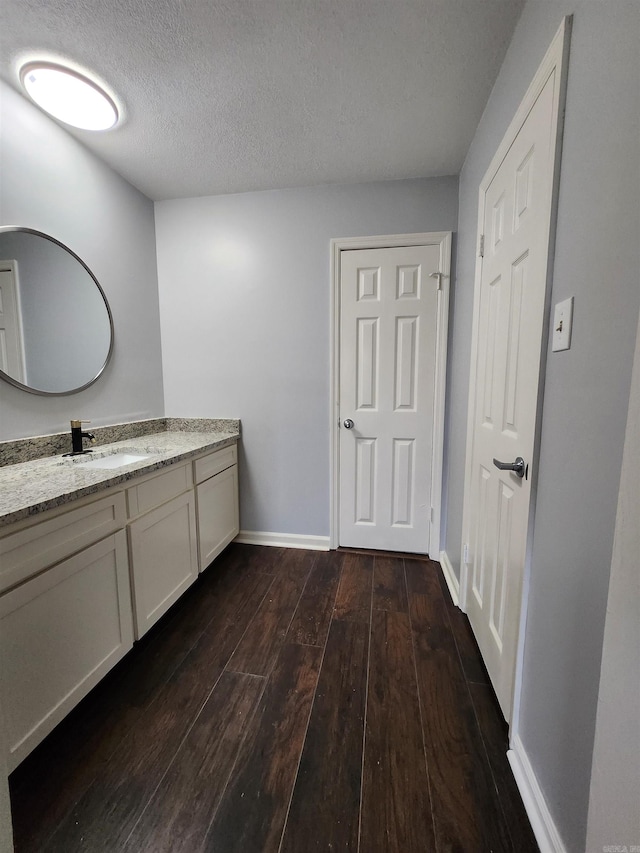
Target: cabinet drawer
(61,633)
(159,488)
(45,543)
(215,462)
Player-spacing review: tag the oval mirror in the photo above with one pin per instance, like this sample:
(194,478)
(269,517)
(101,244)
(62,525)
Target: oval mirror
(56,328)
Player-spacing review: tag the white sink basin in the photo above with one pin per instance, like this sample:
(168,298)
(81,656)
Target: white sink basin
(114,460)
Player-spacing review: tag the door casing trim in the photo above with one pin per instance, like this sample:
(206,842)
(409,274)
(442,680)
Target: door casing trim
(556,60)
(387,241)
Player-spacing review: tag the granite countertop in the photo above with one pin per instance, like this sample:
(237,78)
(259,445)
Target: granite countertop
(29,488)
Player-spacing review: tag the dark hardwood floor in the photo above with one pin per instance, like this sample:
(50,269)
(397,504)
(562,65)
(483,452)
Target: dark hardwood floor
(291,701)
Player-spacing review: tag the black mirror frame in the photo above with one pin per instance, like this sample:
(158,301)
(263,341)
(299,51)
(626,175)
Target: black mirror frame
(15,382)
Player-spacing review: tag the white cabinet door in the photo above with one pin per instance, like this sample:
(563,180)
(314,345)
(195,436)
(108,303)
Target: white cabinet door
(60,633)
(218,516)
(163,558)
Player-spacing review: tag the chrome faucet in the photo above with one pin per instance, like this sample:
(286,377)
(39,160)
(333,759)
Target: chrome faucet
(77,435)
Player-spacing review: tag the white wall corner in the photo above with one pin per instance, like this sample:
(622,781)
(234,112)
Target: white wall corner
(450,576)
(283,540)
(542,823)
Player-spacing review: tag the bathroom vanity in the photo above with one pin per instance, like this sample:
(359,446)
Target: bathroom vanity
(93,551)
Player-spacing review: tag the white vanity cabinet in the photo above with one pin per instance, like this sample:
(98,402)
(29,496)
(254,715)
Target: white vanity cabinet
(216,476)
(78,582)
(65,625)
(162,542)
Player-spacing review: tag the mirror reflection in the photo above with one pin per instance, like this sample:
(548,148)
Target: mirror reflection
(56,331)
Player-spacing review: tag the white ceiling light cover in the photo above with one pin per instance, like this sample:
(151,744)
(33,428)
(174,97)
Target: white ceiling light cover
(69,96)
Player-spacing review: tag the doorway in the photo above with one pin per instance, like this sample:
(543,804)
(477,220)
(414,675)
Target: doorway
(390,299)
(12,361)
(511,308)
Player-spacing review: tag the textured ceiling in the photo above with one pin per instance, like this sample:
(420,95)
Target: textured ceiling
(231,95)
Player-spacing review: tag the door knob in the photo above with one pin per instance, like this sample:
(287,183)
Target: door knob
(518,467)
(348,423)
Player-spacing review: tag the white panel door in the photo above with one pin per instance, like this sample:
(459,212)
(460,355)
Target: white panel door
(504,387)
(11,342)
(388,325)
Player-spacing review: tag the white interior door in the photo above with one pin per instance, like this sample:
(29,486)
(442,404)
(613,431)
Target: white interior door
(11,342)
(509,317)
(388,329)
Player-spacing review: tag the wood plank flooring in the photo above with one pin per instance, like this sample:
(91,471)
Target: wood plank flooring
(291,701)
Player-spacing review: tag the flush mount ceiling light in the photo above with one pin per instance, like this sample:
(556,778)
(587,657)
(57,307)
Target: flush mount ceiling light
(68,96)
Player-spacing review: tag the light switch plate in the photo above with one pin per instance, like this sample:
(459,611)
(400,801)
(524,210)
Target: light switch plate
(562,319)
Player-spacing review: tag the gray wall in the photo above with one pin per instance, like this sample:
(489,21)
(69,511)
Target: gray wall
(244,286)
(587,388)
(50,182)
(614,813)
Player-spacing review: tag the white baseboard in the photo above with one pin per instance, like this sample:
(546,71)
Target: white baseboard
(544,828)
(283,540)
(450,576)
